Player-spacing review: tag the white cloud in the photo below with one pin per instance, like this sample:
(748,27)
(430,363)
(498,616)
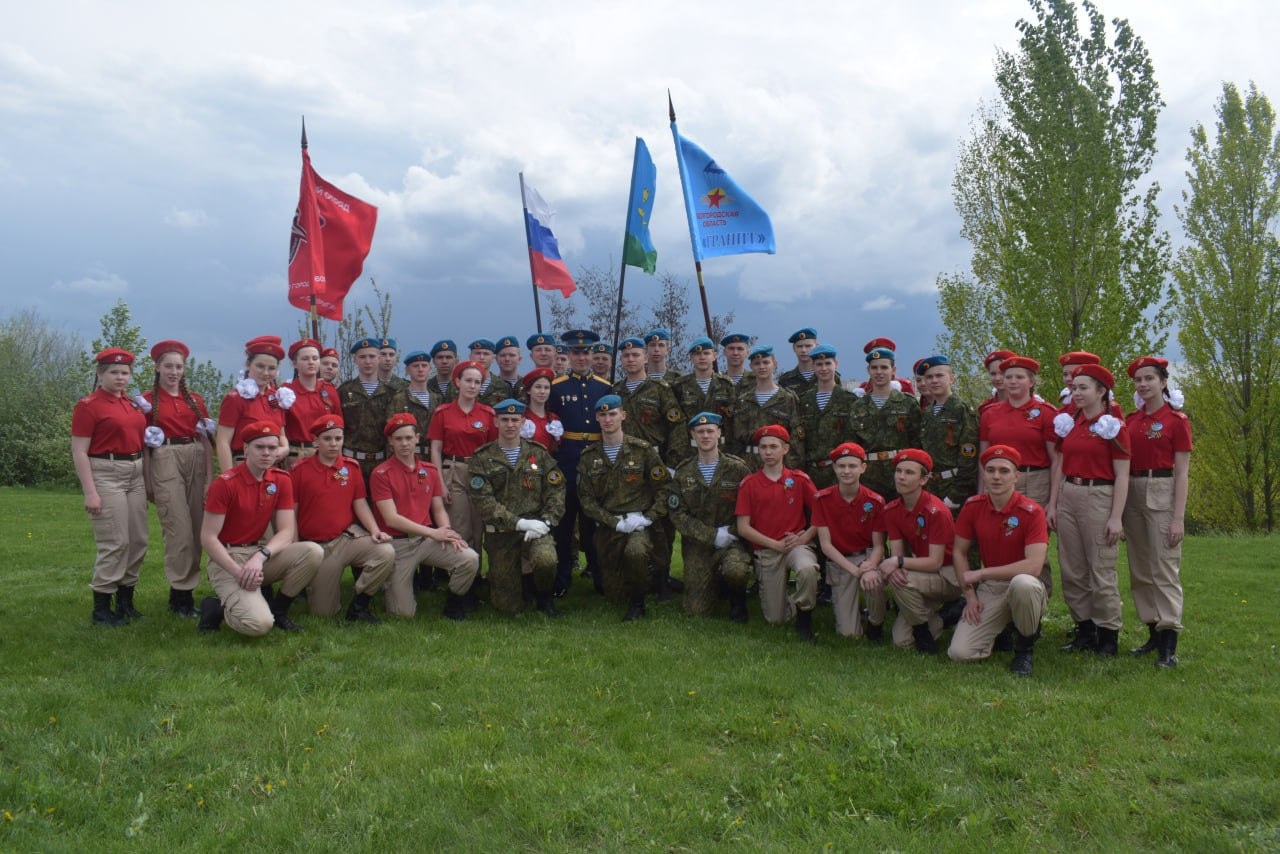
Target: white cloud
(96,283)
(885,303)
(191,219)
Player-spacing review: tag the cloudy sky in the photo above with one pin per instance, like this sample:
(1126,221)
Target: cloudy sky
(150,149)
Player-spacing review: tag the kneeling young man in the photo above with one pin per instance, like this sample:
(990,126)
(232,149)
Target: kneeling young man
(773,515)
(408,500)
(1012,538)
(850,522)
(334,512)
(919,567)
(518,490)
(240,505)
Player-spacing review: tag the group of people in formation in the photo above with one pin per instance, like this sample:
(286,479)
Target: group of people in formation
(797,485)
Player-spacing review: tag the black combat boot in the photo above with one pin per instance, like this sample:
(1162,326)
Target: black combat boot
(661,584)
(210,614)
(358,611)
(1004,640)
(1152,644)
(951,612)
(124,604)
(454,607)
(1086,638)
(1108,643)
(1167,654)
(925,644)
(280,610)
(804,626)
(738,606)
(183,603)
(636,609)
(546,604)
(874,633)
(1023,646)
(102,613)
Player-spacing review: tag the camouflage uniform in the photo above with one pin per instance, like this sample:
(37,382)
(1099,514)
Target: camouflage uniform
(653,414)
(395,383)
(719,398)
(609,491)
(951,438)
(883,432)
(510,390)
(749,416)
(364,416)
(534,489)
(404,401)
(794,382)
(822,430)
(698,509)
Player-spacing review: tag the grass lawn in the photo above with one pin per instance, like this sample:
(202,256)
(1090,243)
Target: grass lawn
(583,733)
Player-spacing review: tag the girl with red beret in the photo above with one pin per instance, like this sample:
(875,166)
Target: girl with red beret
(314,398)
(540,425)
(254,398)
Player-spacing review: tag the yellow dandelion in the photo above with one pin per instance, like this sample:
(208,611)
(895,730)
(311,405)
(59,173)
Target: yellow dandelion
(189,787)
(267,788)
(50,810)
(200,802)
(693,693)
(8,816)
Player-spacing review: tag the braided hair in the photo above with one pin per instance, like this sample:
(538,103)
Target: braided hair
(196,406)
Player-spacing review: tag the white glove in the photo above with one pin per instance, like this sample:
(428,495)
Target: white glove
(1107,426)
(1063,424)
(951,505)
(638,521)
(533,528)
(527,429)
(207,426)
(1138,402)
(1176,398)
(247,388)
(153,437)
(723,538)
(285,396)
(142,403)
(556,429)
(625,525)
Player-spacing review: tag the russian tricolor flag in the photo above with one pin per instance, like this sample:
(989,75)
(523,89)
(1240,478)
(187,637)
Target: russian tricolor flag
(549,271)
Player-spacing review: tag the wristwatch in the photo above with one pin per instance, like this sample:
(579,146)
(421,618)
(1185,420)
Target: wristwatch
(899,561)
(266,552)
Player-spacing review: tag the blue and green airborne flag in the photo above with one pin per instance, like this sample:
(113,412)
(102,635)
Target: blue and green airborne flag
(638,248)
(723,219)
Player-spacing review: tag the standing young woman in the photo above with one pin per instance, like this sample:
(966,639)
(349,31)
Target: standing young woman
(107,431)
(457,430)
(254,398)
(180,470)
(540,425)
(1086,507)
(314,398)
(1160,438)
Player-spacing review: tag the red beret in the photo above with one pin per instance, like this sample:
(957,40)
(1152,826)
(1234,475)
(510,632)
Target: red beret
(1078,357)
(1001,452)
(777,431)
(329,353)
(914,455)
(1148,362)
(305,342)
(400,419)
(538,374)
(997,356)
(114,356)
(169,345)
(324,423)
(877,343)
(268,345)
(1098,372)
(848,449)
(1025,362)
(258,430)
(462,366)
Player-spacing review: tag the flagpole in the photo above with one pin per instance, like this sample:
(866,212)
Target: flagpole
(684,186)
(315,321)
(528,239)
(622,274)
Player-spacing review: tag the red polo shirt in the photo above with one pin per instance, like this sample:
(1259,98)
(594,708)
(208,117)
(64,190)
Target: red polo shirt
(237,412)
(850,523)
(1086,454)
(1025,428)
(309,405)
(927,524)
(776,507)
(463,432)
(249,505)
(325,495)
(173,415)
(411,488)
(1002,535)
(112,424)
(1155,438)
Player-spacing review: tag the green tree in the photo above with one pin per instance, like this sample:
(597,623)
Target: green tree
(119,330)
(1051,192)
(1228,282)
(41,377)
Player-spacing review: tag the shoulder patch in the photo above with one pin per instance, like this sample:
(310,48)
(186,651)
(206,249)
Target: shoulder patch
(554,477)
(968,449)
(477,482)
(673,500)
(658,473)
(674,416)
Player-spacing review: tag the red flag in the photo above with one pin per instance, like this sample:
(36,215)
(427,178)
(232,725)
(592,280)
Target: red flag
(332,232)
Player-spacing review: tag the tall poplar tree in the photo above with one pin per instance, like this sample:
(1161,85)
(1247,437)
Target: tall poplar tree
(1228,284)
(1051,190)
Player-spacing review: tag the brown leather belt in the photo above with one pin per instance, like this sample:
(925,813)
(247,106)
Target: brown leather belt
(582,437)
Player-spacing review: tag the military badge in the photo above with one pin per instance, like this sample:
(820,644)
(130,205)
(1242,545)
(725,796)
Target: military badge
(673,501)
(968,450)
(555,478)
(477,482)
(674,416)
(658,472)
(271,489)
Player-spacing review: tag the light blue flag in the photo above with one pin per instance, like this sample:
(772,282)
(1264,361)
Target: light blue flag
(638,248)
(723,219)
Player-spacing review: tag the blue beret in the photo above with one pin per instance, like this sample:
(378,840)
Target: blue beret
(608,403)
(364,344)
(657,334)
(386,343)
(735,338)
(561,349)
(631,343)
(539,338)
(601,348)
(510,406)
(880,353)
(504,343)
(802,334)
(823,351)
(700,344)
(704,418)
(579,339)
(933,362)
(760,350)
(482,344)
(416,356)
(445,346)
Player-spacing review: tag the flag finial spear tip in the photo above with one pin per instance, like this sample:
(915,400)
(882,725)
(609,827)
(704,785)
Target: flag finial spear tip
(671,108)
(304,133)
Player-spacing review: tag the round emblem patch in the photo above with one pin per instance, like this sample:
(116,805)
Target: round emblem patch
(673,501)
(554,477)
(658,472)
(968,450)
(673,415)
(477,482)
